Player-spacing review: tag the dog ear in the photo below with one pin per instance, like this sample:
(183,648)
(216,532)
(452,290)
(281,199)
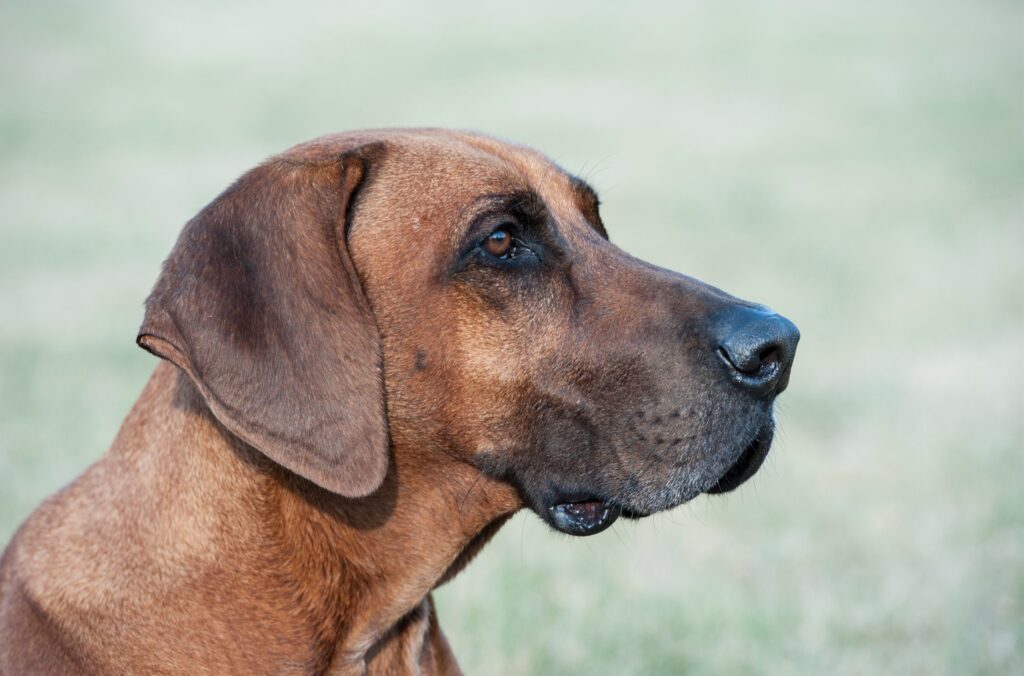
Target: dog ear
(260,305)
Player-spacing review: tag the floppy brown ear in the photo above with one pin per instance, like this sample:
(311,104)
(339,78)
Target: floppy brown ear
(260,305)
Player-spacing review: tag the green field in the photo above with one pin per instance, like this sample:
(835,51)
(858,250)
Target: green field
(859,166)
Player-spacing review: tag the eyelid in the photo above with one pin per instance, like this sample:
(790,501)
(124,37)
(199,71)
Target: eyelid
(485,224)
(501,222)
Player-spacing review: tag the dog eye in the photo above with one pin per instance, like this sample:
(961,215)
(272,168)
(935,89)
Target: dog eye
(500,244)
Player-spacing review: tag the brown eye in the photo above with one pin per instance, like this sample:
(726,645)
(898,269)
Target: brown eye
(499,243)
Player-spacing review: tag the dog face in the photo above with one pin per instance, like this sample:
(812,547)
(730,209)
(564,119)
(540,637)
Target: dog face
(511,332)
(540,352)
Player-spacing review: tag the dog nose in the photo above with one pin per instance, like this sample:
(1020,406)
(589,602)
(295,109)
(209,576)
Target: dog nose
(758,346)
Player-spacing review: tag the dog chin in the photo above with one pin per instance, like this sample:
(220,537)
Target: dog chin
(748,463)
(583,514)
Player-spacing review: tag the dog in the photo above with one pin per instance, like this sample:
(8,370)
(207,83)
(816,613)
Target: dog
(377,347)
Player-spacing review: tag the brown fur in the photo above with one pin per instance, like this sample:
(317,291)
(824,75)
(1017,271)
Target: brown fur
(353,403)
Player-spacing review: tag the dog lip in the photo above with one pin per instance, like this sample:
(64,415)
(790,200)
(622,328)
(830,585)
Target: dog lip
(583,517)
(747,464)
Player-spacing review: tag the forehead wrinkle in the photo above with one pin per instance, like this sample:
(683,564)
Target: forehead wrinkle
(510,199)
(545,178)
(430,178)
(561,191)
(527,161)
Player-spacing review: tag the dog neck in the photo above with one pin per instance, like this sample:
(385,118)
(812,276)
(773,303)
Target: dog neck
(355,569)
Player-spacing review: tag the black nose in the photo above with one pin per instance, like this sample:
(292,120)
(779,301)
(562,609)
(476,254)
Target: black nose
(758,347)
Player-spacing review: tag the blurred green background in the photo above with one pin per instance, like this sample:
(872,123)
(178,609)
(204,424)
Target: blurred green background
(859,166)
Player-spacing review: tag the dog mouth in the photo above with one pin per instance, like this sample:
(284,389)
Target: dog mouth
(583,517)
(582,514)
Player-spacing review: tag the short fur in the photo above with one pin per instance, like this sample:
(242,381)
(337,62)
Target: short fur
(355,398)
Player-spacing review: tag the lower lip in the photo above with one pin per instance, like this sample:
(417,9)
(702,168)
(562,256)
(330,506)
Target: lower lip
(587,517)
(745,465)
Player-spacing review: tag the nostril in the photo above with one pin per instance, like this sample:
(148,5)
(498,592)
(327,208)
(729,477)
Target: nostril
(753,363)
(770,356)
(746,362)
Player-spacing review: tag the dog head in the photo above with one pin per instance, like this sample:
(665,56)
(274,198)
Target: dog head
(445,290)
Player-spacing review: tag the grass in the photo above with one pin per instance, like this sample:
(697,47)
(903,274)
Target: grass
(859,166)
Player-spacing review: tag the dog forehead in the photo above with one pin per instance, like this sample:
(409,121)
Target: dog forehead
(434,181)
(545,176)
(431,174)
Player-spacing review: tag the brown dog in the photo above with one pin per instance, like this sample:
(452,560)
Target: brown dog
(381,346)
